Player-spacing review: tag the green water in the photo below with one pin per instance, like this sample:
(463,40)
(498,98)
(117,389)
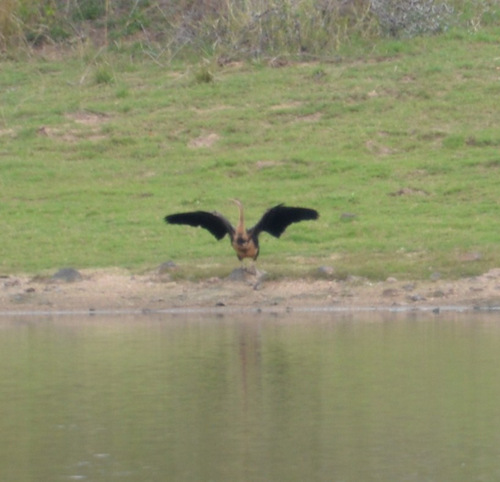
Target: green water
(316,397)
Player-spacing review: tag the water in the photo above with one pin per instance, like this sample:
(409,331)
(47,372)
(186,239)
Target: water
(291,397)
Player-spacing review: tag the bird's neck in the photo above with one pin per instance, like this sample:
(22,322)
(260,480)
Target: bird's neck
(241,223)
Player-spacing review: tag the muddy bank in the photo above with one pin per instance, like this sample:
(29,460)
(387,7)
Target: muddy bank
(117,290)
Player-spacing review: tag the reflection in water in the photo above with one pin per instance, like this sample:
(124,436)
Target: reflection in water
(251,398)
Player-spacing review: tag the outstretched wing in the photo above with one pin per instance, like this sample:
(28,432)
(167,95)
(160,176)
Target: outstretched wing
(214,222)
(277,219)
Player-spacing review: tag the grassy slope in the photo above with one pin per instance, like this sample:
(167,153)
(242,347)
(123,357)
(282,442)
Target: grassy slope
(89,169)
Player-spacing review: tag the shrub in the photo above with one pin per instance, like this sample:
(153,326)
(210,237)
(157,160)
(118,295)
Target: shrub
(234,28)
(409,18)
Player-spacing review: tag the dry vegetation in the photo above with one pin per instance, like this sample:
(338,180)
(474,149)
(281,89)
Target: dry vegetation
(165,29)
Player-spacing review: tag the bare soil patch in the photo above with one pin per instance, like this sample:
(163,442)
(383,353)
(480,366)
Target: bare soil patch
(203,141)
(68,134)
(87,118)
(118,290)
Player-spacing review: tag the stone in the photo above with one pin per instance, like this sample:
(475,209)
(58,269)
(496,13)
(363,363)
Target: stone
(68,275)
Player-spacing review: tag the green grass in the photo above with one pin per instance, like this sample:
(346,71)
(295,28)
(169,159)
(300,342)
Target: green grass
(94,152)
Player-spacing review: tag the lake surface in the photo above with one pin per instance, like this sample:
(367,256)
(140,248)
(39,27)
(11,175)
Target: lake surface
(289,397)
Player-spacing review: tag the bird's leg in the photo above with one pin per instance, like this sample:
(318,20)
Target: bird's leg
(248,266)
(251,268)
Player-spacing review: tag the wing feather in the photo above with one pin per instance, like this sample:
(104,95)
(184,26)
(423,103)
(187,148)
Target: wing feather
(277,219)
(214,222)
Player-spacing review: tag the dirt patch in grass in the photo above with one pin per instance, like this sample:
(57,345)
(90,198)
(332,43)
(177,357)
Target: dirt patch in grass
(67,133)
(7,132)
(117,290)
(268,164)
(207,140)
(87,118)
(70,135)
(287,105)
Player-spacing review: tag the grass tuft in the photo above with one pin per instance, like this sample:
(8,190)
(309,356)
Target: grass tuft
(103,75)
(204,75)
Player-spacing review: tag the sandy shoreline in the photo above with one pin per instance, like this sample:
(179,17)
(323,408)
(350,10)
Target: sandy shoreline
(117,291)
